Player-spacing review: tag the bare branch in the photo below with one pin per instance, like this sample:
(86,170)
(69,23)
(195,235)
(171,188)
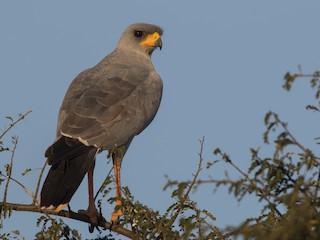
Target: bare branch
(15,139)
(35,196)
(20,184)
(205,181)
(21,117)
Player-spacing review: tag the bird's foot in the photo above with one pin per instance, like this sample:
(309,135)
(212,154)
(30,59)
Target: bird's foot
(117,212)
(94,216)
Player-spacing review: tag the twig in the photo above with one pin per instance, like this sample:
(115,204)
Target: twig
(10,168)
(284,125)
(314,75)
(229,234)
(299,145)
(71,215)
(316,190)
(213,229)
(35,196)
(102,185)
(206,181)
(21,117)
(20,184)
(246,176)
(199,224)
(186,195)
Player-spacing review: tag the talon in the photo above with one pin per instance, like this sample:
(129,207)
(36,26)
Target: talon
(91,228)
(94,216)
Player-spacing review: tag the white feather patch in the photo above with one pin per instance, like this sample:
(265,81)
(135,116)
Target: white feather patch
(85,142)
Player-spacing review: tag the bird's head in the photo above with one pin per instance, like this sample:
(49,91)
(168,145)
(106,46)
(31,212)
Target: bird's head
(141,37)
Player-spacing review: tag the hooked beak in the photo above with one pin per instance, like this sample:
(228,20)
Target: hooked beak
(158,43)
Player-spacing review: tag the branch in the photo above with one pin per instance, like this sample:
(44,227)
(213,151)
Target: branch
(172,183)
(15,139)
(186,195)
(315,195)
(20,184)
(35,196)
(227,159)
(21,117)
(294,140)
(246,176)
(71,215)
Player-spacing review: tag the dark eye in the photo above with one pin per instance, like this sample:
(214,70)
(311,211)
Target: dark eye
(138,34)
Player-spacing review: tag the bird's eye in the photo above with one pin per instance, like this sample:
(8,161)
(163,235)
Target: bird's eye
(138,34)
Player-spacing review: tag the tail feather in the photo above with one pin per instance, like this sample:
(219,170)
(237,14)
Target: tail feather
(67,172)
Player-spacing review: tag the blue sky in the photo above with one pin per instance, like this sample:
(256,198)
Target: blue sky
(222,65)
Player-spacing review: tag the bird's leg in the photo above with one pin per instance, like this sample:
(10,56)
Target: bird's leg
(117,156)
(92,211)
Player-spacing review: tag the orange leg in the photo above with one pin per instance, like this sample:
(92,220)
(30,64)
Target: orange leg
(117,158)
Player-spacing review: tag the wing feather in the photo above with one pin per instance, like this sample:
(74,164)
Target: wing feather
(108,108)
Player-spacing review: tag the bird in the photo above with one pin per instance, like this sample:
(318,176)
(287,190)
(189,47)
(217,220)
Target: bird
(104,108)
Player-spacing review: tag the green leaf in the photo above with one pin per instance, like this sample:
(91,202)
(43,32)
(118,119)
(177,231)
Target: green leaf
(26,171)
(311,107)
(289,79)
(10,118)
(217,151)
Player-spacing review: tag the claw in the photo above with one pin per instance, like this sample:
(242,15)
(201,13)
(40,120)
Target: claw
(94,216)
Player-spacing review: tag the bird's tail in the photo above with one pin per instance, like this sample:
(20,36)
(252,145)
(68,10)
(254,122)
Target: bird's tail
(66,173)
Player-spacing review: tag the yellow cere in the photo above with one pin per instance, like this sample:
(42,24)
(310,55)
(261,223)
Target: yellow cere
(150,39)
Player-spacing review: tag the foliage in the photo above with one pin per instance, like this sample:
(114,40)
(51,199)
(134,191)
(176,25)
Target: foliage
(149,224)
(288,185)
(13,235)
(285,182)
(56,230)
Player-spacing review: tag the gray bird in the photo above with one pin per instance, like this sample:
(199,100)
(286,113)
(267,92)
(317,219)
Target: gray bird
(105,107)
